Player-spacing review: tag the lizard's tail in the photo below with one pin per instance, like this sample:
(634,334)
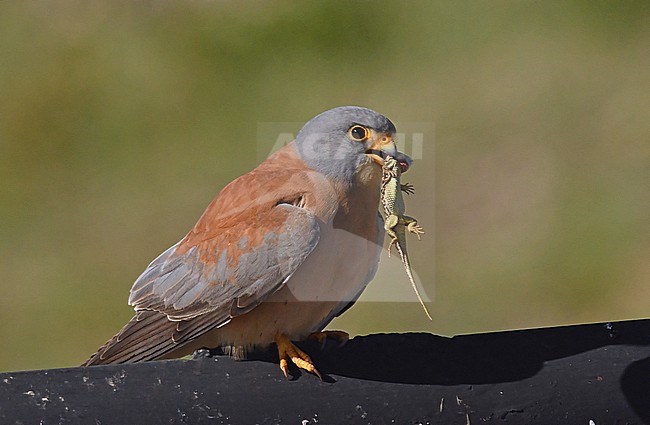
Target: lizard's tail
(407,267)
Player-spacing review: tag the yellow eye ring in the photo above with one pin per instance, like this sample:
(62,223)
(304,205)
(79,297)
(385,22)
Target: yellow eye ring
(358,133)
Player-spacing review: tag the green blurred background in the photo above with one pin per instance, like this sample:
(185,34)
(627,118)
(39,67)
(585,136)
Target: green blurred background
(120,121)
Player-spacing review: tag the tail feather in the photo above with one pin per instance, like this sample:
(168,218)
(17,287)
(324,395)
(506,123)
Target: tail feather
(147,336)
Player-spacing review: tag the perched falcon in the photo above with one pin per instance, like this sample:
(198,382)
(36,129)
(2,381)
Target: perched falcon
(279,253)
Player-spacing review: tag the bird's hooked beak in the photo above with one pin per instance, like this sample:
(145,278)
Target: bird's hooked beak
(379,145)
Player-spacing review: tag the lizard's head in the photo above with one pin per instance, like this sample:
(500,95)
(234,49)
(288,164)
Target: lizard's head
(338,141)
(381,157)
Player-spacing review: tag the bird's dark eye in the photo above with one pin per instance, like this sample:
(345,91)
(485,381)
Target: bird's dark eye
(358,133)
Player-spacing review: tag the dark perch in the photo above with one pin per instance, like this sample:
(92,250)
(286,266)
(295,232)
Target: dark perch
(569,375)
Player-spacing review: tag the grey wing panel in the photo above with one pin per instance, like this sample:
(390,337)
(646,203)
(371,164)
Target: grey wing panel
(228,275)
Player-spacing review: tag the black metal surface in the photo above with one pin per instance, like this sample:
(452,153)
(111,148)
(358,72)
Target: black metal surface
(569,375)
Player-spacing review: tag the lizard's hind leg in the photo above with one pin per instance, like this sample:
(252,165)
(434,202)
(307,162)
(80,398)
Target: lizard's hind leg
(413,227)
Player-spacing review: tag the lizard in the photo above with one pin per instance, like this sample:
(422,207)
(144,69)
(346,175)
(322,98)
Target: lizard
(397,223)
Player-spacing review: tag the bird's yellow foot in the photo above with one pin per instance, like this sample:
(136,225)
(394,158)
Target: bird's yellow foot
(340,336)
(289,352)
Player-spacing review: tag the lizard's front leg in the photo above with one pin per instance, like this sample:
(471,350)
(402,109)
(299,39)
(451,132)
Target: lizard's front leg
(407,188)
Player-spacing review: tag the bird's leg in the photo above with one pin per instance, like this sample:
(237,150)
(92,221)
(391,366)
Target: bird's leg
(340,336)
(289,352)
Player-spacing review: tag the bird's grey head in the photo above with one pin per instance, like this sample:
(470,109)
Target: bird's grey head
(336,142)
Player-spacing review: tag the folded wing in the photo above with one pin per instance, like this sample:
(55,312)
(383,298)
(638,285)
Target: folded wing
(230,262)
